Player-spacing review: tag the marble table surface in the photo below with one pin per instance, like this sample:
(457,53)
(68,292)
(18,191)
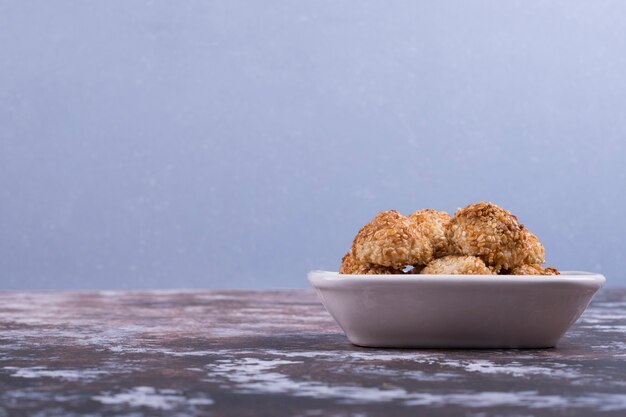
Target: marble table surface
(278,353)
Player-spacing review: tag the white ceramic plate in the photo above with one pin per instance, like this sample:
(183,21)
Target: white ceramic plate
(456,311)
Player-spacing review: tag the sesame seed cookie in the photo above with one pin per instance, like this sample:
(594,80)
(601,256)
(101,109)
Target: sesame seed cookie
(392,240)
(434,225)
(534,269)
(457,265)
(350,265)
(493,234)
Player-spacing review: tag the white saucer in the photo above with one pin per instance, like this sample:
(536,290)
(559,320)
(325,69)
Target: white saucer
(456,311)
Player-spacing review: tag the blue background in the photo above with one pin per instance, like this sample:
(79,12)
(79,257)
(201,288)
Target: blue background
(243,143)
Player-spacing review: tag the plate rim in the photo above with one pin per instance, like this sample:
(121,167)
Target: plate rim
(334,279)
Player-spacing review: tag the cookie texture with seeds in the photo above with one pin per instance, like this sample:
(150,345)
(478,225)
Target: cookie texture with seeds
(434,224)
(392,240)
(457,265)
(533,249)
(350,265)
(534,269)
(493,234)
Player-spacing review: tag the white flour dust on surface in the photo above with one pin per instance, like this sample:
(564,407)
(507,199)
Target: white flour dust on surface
(142,396)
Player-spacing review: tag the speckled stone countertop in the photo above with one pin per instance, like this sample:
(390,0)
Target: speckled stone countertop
(278,353)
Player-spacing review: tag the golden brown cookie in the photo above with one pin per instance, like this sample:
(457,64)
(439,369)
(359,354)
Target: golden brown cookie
(493,234)
(457,265)
(393,240)
(434,225)
(534,269)
(349,265)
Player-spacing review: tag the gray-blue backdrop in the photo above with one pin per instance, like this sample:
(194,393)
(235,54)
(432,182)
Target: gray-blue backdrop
(243,143)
